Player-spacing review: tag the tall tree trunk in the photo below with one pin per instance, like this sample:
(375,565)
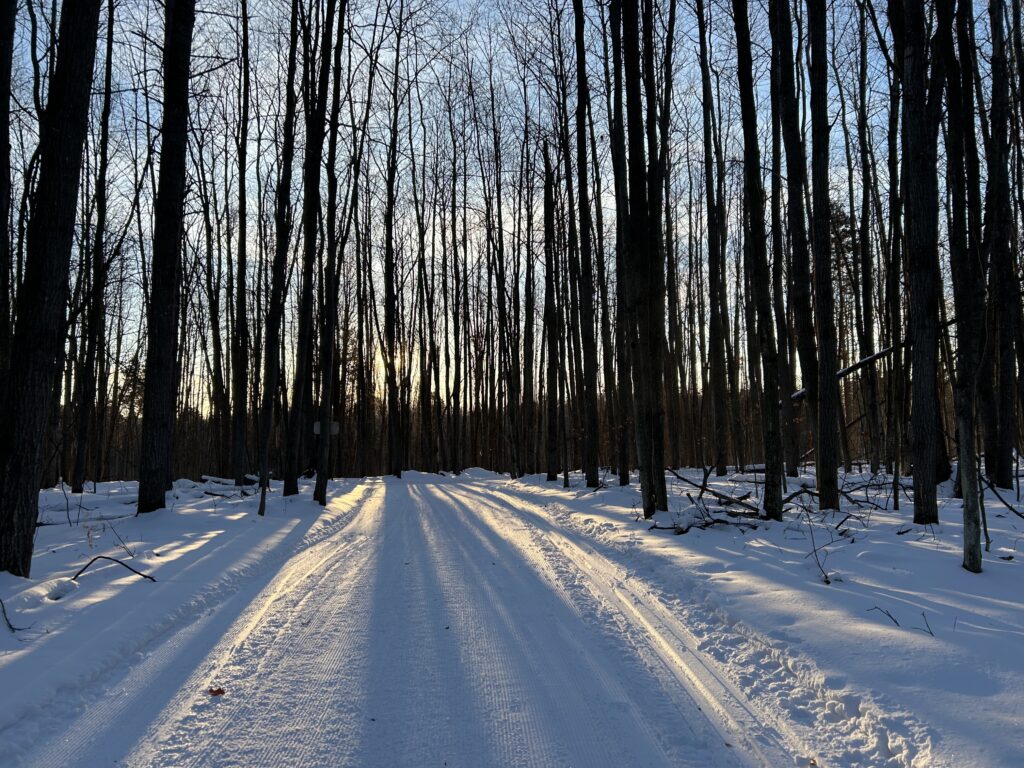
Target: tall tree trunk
(240,338)
(790,426)
(644,262)
(623,329)
(754,201)
(396,427)
(826,446)
(893,292)
(38,343)
(716,333)
(159,404)
(317,82)
(278,277)
(591,430)
(331,277)
(550,321)
(86,438)
(796,180)
(867,268)
(922,89)
(8,22)
(1004,280)
(968,279)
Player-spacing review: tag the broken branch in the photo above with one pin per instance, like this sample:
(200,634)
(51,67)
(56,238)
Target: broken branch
(113,560)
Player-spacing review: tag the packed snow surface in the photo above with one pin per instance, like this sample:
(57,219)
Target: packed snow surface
(480,621)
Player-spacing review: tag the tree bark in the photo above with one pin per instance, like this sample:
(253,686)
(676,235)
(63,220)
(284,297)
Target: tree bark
(968,276)
(826,448)
(38,344)
(591,433)
(240,338)
(754,201)
(922,103)
(278,277)
(159,405)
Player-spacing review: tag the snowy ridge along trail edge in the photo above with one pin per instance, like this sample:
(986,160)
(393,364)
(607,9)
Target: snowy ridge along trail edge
(853,730)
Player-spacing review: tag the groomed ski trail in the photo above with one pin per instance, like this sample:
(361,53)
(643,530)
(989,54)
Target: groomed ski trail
(444,624)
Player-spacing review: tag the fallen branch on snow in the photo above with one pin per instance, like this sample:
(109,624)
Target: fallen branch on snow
(7,621)
(723,497)
(999,496)
(882,610)
(113,560)
(679,530)
(707,520)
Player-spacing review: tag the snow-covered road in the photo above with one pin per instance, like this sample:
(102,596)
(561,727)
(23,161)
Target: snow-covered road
(446,623)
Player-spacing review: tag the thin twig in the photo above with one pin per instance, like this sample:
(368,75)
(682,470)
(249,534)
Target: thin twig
(891,617)
(1000,497)
(928,627)
(67,502)
(7,621)
(124,546)
(814,550)
(113,560)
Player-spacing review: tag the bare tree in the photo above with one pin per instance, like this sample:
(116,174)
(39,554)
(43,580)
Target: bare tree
(38,340)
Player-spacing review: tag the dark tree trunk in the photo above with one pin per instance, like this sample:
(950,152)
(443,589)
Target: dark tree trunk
(826,446)
(790,426)
(591,430)
(335,244)
(643,279)
(396,427)
(922,91)
(1004,280)
(278,277)
(622,318)
(968,278)
(754,201)
(317,82)
(240,339)
(159,405)
(796,180)
(86,438)
(867,267)
(8,19)
(893,293)
(38,344)
(716,332)
(550,321)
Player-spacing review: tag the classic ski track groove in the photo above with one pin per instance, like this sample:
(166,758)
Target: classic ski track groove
(828,740)
(460,621)
(648,629)
(108,693)
(506,679)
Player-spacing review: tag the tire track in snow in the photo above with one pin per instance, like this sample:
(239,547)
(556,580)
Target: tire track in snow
(514,733)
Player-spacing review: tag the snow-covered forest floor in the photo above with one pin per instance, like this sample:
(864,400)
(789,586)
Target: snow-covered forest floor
(481,621)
